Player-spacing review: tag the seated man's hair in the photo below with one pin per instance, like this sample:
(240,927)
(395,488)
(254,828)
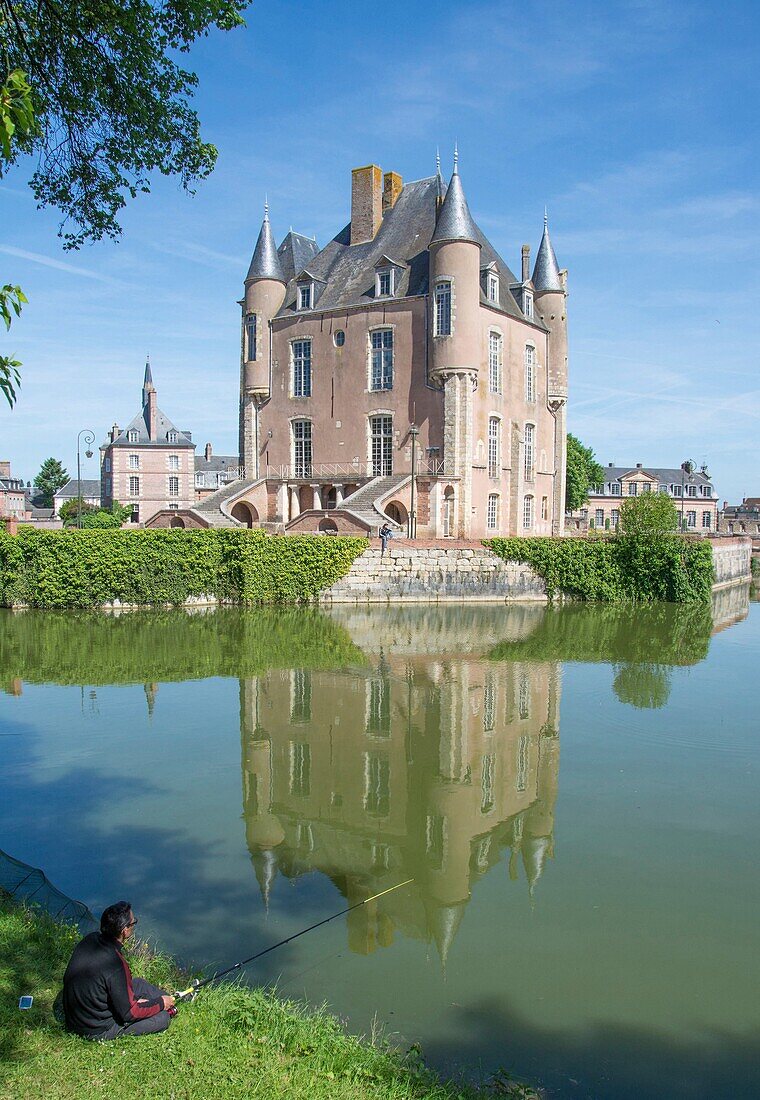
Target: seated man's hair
(115,919)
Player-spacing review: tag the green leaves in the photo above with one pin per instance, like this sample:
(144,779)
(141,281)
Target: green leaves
(12,298)
(582,471)
(17,122)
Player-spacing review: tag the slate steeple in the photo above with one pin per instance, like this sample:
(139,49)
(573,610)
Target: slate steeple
(546,274)
(455,220)
(265,263)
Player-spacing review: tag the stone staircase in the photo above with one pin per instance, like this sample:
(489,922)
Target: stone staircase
(211,507)
(363,503)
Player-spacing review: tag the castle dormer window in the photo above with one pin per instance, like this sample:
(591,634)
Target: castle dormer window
(172,437)
(492,287)
(528,304)
(133,436)
(384,282)
(305,295)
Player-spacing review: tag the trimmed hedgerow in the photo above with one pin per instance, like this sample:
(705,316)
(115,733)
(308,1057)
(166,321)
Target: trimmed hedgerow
(628,567)
(57,569)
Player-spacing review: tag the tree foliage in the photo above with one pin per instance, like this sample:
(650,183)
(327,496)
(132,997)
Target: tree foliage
(583,471)
(650,514)
(103,518)
(49,480)
(110,104)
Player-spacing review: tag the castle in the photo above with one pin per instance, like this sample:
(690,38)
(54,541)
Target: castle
(401,373)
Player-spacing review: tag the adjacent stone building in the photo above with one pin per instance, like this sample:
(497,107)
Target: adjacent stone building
(740,519)
(691,490)
(149,465)
(14,502)
(406,342)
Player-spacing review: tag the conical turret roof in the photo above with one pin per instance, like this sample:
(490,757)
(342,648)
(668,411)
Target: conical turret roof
(546,272)
(265,263)
(455,220)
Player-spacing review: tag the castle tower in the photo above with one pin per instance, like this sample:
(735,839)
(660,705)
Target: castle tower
(264,293)
(149,400)
(550,286)
(455,342)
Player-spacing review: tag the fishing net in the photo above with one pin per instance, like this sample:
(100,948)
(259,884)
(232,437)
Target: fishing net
(32,886)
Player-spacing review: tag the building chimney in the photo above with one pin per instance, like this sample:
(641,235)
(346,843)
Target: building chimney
(525,263)
(392,184)
(207,452)
(725,505)
(610,464)
(151,410)
(366,203)
(115,431)
(5,468)
(638,466)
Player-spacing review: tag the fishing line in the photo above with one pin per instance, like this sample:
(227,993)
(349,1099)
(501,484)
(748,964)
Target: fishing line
(189,993)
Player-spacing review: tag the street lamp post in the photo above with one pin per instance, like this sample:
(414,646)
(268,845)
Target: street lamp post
(89,439)
(414,431)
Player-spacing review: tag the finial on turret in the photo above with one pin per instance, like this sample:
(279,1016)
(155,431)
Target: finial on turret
(266,208)
(456,158)
(437,161)
(546,217)
(148,380)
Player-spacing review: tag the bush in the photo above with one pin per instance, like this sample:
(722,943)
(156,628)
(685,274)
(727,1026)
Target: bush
(649,514)
(628,567)
(88,568)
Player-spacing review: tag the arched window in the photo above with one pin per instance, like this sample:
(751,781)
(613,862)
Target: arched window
(528,512)
(530,449)
(494,362)
(448,512)
(494,431)
(530,373)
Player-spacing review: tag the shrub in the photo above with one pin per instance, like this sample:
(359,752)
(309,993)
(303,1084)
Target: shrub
(88,568)
(650,514)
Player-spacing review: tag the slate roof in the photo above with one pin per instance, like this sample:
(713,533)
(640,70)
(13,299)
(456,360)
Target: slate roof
(215,464)
(265,263)
(455,221)
(546,270)
(90,488)
(163,427)
(345,273)
(296,252)
(664,475)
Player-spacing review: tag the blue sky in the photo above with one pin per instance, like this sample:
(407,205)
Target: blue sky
(634,120)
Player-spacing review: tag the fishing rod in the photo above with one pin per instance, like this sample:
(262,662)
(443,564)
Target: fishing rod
(191,992)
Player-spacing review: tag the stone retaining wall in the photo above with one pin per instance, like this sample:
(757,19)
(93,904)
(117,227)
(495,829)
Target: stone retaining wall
(429,574)
(731,560)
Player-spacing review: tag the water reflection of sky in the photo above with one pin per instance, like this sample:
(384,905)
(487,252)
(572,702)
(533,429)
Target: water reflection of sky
(596,921)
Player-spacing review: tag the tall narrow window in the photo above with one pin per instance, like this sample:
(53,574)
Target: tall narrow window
(134,486)
(494,362)
(381,367)
(435,840)
(381,431)
(492,519)
(489,704)
(443,309)
(377,784)
(493,446)
(385,282)
(523,703)
(493,288)
(300,768)
(300,695)
(486,784)
(302,447)
(530,447)
(527,512)
(304,296)
(379,711)
(544,507)
(528,305)
(250,336)
(301,356)
(530,373)
(521,779)
(173,486)
(135,517)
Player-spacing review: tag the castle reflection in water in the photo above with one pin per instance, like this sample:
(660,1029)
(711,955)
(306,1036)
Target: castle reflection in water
(435,768)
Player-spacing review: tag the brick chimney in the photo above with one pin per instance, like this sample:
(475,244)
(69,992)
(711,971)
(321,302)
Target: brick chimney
(5,468)
(525,263)
(366,203)
(207,452)
(392,184)
(115,430)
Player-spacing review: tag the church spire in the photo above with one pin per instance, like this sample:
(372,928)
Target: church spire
(455,220)
(546,272)
(265,263)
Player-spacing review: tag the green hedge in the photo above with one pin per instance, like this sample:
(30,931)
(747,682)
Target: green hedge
(61,569)
(627,567)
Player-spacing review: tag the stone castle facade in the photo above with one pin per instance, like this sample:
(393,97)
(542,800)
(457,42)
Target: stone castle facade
(401,373)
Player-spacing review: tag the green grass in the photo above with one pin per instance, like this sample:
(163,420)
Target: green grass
(231,1042)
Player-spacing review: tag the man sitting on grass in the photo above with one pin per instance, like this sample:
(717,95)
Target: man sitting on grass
(101,999)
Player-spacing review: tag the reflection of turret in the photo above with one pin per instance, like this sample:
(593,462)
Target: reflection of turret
(265,868)
(443,924)
(151,690)
(263,829)
(538,829)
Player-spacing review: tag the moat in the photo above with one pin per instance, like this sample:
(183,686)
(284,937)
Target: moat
(573,791)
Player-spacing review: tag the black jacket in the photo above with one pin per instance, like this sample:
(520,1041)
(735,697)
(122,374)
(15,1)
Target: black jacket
(97,988)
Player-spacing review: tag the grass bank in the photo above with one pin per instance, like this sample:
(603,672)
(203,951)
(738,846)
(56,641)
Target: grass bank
(231,1042)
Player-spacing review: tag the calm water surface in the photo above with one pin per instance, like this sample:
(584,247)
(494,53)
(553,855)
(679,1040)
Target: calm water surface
(574,792)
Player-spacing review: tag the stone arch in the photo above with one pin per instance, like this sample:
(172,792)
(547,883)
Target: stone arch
(176,521)
(245,513)
(328,527)
(329,496)
(396,512)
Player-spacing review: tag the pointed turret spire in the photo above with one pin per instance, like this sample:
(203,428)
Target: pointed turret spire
(148,390)
(148,380)
(546,272)
(455,220)
(265,263)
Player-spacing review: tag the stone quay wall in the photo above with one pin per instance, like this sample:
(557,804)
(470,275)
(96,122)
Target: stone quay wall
(435,574)
(731,560)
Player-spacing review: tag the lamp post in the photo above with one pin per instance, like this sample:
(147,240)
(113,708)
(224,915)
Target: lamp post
(89,439)
(414,431)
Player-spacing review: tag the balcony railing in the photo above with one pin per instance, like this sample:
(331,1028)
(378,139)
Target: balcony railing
(215,479)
